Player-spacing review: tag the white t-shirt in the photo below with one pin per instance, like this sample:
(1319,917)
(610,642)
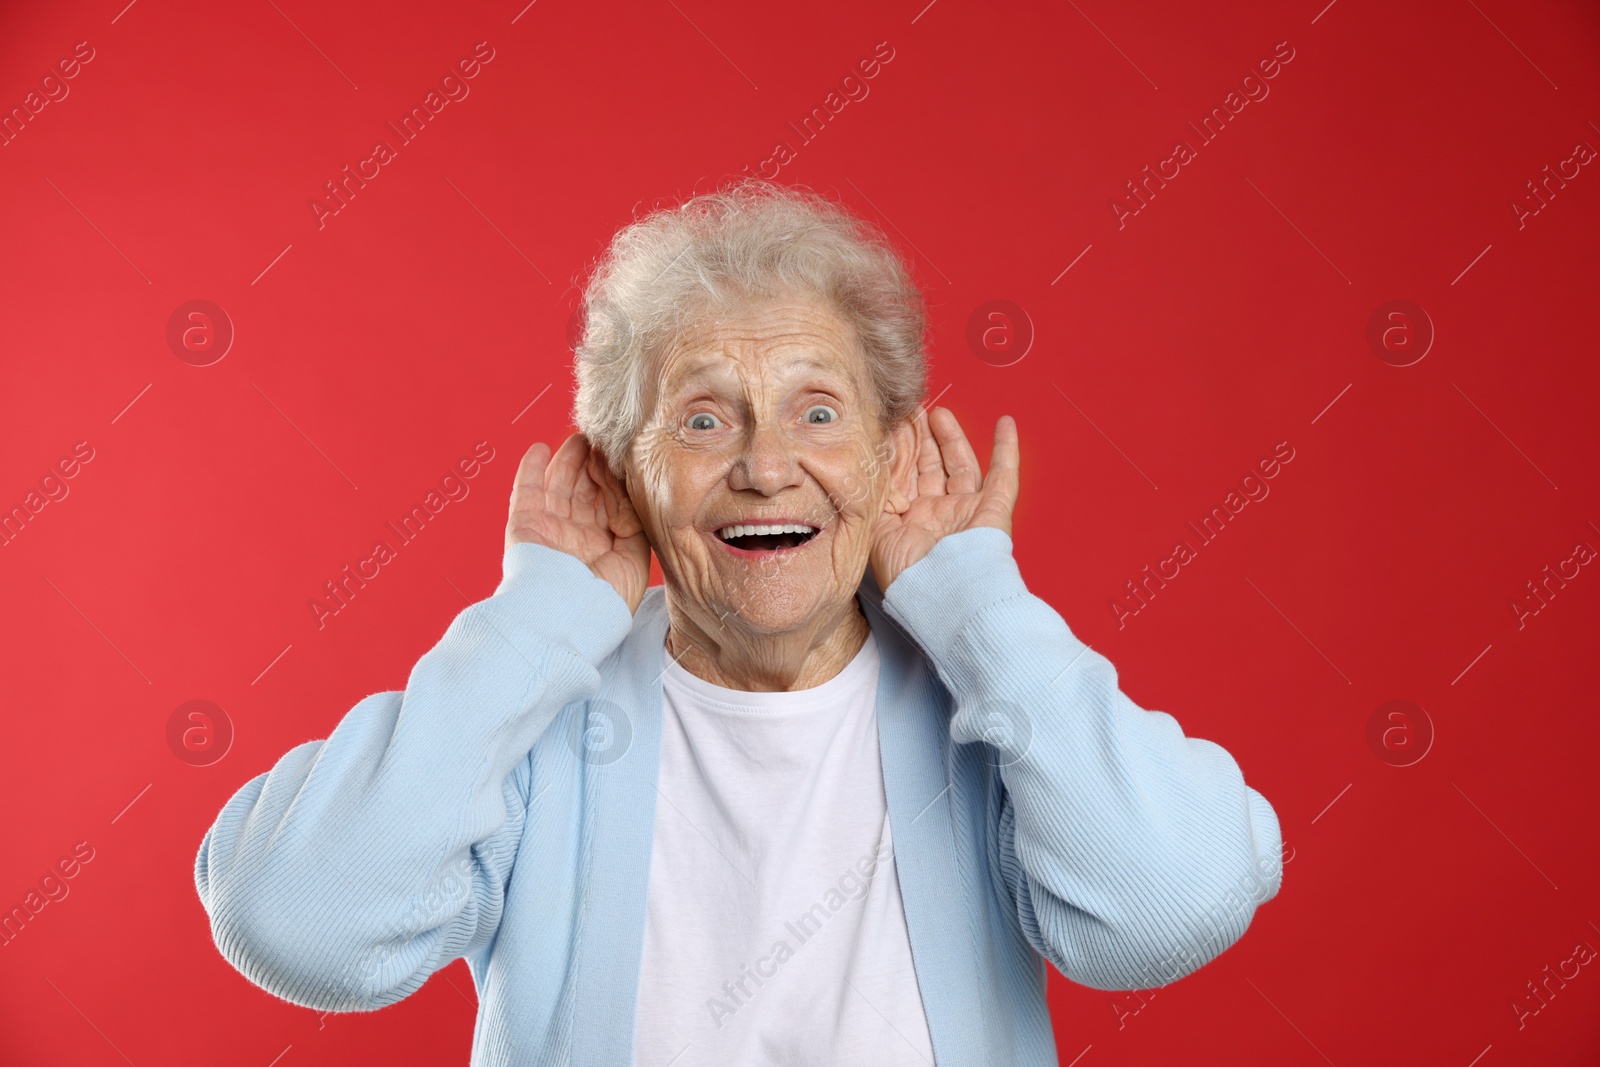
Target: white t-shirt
(775,932)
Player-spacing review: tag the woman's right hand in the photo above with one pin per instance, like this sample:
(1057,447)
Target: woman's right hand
(572,502)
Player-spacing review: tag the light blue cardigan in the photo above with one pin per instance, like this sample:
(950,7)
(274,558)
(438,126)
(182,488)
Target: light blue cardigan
(456,819)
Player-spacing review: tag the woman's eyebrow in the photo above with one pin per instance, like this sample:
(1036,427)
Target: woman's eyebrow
(803,364)
(832,370)
(717,371)
(700,370)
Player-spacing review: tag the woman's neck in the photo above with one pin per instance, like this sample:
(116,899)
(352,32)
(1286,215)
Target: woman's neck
(735,657)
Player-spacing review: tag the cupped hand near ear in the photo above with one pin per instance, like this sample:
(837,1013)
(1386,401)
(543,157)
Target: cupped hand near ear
(948,494)
(572,502)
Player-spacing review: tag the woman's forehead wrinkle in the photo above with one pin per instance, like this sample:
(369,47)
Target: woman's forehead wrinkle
(752,358)
(680,369)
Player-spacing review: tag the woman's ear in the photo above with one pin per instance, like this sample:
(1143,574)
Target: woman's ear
(621,515)
(901,444)
(602,464)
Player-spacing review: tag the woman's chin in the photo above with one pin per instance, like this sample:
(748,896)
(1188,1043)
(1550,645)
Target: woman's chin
(777,610)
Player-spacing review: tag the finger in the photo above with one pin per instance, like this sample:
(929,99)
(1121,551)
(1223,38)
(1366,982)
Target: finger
(930,467)
(1005,464)
(562,475)
(527,490)
(960,462)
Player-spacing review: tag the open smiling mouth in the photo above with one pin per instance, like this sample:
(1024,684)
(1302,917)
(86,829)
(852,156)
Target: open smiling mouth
(774,537)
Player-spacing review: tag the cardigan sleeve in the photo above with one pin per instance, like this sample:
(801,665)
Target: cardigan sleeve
(1133,854)
(360,864)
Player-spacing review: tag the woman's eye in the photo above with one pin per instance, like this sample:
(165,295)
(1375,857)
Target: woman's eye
(703,420)
(821,413)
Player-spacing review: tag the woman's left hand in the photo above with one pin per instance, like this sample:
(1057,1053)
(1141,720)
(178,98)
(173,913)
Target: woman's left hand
(948,493)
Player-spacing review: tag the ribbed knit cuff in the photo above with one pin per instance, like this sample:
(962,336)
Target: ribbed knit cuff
(557,594)
(962,575)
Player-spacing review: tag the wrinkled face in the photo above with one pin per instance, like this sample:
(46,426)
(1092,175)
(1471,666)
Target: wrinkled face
(763,467)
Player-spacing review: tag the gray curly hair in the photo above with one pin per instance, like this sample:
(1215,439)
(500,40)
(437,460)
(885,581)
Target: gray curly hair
(751,240)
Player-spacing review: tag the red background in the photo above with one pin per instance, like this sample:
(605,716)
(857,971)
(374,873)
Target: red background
(1222,319)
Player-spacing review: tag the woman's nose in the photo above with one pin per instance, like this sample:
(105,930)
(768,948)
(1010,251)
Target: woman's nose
(766,461)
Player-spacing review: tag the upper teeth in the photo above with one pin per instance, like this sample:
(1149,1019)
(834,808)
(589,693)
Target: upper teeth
(729,532)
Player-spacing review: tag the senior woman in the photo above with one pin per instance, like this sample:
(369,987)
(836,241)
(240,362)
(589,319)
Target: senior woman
(784,809)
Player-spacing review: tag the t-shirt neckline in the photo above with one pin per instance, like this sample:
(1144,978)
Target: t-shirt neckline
(854,673)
